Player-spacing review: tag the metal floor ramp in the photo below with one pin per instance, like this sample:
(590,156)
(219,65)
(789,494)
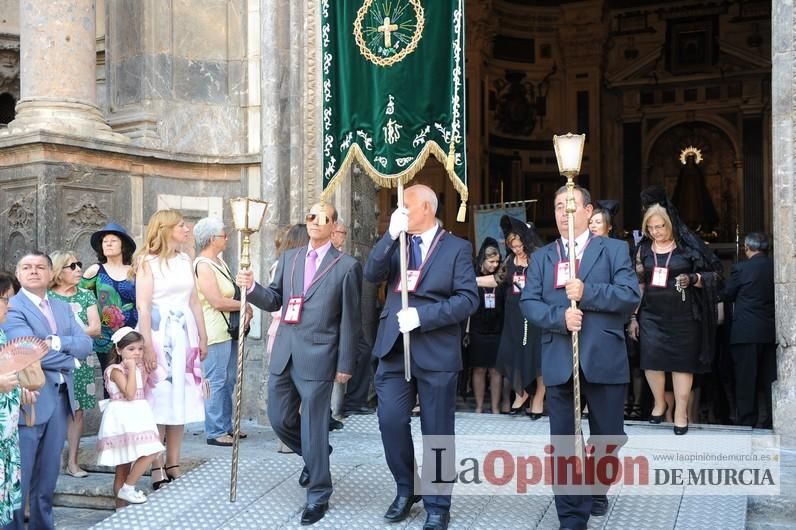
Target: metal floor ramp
(269,495)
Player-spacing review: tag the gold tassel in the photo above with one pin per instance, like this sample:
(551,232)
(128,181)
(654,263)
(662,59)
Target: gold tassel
(462,215)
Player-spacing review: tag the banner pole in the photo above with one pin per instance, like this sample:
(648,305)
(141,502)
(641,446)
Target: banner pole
(404,289)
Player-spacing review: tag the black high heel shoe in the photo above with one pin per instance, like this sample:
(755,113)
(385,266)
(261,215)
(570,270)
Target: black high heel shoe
(516,411)
(171,477)
(679,431)
(656,419)
(156,485)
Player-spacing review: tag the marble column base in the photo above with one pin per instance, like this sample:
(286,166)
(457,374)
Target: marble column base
(65,117)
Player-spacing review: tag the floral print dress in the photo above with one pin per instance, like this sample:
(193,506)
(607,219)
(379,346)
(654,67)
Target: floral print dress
(83,377)
(116,305)
(10,463)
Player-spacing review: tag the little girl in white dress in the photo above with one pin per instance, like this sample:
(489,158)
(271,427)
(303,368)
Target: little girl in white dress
(128,433)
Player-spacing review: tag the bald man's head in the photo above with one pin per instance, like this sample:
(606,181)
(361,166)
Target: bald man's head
(422,203)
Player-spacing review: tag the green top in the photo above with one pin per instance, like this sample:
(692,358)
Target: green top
(78,302)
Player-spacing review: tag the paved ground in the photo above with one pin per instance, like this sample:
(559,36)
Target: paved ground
(269,496)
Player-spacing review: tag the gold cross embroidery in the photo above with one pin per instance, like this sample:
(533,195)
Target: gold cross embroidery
(387,28)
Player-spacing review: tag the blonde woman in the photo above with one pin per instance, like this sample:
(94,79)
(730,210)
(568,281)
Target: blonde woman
(67,273)
(175,342)
(669,322)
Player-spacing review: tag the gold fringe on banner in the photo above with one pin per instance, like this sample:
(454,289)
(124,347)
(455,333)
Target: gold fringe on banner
(391,181)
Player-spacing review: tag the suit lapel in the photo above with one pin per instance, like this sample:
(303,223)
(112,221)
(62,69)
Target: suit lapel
(298,273)
(331,254)
(34,310)
(430,257)
(590,255)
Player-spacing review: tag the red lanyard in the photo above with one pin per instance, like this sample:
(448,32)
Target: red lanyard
(317,276)
(655,258)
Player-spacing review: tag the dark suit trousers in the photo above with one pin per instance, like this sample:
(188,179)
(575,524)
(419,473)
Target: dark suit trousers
(307,434)
(40,449)
(606,417)
(356,393)
(755,368)
(437,391)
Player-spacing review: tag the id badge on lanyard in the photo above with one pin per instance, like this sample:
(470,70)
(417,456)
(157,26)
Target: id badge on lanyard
(562,273)
(412,277)
(660,275)
(518,284)
(489,300)
(293,311)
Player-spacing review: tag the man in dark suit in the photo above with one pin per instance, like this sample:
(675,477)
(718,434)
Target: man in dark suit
(443,295)
(32,313)
(607,292)
(752,338)
(318,289)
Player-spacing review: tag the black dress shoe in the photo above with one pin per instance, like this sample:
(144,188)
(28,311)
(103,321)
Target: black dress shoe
(535,416)
(304,478)
(679,431)
(437,521)
(359,411)
(313,513)
(656,419)
(335,425)
(400,507)
(599,505)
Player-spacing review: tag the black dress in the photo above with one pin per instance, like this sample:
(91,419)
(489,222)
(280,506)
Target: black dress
(669,335)
(519,363)
(485,328)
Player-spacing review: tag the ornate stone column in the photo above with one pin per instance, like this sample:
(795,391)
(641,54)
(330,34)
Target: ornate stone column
(783,80)
(58,70)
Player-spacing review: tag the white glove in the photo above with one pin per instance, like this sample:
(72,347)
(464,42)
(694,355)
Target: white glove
(399,222)
(408,319)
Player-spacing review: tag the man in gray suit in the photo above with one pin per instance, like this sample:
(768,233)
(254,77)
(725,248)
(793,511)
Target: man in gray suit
(31,313)
(318,289)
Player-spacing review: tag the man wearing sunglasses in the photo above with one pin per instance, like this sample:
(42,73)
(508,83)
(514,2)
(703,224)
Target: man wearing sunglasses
(318,290)
(441,297)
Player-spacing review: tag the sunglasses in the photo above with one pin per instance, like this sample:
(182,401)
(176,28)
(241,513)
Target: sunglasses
(311,217)
(74,265)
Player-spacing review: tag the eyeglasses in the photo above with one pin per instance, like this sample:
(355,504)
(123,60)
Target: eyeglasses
(74,265)
(310,217)
(4,299)
(224,236)
(344,232)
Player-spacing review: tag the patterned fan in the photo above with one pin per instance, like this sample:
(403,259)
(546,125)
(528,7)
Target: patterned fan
(19,353)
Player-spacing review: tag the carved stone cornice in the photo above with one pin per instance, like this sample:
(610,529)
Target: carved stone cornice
(482,26)
(583,33)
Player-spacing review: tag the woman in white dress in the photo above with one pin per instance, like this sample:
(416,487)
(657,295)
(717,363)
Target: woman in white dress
(171,322)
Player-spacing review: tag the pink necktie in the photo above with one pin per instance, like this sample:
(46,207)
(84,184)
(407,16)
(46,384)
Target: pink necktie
(309,269)
(44,305)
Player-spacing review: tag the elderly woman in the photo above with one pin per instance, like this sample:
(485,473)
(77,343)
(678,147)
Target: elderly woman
(220,297)
(11,396)
(67,274)
(678,299)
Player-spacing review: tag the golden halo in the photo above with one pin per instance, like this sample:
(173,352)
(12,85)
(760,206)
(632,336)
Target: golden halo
(691,150)
(401,55)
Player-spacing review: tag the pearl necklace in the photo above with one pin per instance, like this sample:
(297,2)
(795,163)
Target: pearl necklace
(658,250)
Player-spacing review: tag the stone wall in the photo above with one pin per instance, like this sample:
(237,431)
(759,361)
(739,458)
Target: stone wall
(176,74)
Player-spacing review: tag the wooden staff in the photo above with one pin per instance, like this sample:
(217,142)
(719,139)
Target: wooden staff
(404,289)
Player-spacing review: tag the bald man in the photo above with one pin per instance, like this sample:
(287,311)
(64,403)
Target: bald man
(442,294)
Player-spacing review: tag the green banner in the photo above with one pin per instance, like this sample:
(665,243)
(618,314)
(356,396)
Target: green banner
(393,89)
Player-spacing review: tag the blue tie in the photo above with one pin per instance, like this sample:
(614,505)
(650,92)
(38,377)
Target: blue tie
(415,256)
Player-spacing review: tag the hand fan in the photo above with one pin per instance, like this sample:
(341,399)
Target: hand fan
(17,354)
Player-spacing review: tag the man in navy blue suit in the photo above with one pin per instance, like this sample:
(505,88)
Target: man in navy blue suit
(753,335)
(607,291)
(32,313)
(442,294)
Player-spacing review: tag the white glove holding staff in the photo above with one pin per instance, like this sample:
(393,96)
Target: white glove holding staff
(399,222)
